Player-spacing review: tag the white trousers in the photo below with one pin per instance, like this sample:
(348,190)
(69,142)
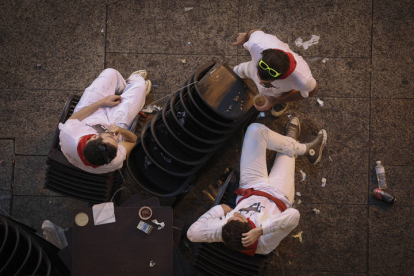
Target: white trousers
(111,82)
(253,168)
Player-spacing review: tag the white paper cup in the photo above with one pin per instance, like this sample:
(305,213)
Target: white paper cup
(260,100)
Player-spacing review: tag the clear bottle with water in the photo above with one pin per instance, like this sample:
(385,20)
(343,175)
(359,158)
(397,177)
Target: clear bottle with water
(380,170)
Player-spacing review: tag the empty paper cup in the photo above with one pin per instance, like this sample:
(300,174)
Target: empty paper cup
(145,213)
(260,100)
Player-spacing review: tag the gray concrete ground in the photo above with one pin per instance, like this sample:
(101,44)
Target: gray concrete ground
(367,86)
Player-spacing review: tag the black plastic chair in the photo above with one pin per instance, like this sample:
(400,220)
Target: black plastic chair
(64,178)
(216,258)
(24,252)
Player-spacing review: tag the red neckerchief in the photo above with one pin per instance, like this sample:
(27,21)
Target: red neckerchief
(249,192)
(292,65)
(81,145)
(251,249)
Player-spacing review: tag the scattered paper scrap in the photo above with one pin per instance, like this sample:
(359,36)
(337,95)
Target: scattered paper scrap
(151,108)
(325,60)
(299,201)
(152,264)
(188,8)
(323,181)
(298,236)
(303,175)
(314,40)
(183,61)
(298,194)
(312,60)
(330,159)
(189,43)
(262,114)
(160,224)
(320,102)
(102,31)
(316,211)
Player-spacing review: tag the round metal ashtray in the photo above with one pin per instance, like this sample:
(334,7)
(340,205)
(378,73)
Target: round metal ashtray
(145,213)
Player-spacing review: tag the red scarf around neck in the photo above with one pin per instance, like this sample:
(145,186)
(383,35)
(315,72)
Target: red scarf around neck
(292,65)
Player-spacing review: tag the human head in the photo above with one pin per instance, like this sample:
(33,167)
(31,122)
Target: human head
(101,149)
(232,231)
(277,60)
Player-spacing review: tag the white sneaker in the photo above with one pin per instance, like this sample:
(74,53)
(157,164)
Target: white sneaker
(147,87)
(142,73)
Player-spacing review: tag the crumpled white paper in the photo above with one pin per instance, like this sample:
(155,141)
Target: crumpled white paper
(298,236)
(314,40)
(303,175)
(298,194)
(160,224)
(103,213)
(323,181)
(316,211)
(151,108)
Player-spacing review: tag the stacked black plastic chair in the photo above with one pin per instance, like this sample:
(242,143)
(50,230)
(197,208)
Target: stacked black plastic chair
(64,178)
(214,259)
(191,128)
(23,252)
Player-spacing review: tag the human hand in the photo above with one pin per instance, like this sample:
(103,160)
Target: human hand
(240,40)
(226,208)
(252,236)
(111,100)
(116,130)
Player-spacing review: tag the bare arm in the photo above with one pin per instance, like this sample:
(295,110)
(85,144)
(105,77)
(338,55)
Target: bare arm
(291,96)
(87,111)
(244,37)
(130,138)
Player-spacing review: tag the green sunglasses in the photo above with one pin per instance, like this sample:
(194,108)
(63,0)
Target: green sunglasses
(271,71)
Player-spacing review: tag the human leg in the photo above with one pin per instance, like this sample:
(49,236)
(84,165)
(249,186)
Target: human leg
(258,138)
(133,100)
(109,82)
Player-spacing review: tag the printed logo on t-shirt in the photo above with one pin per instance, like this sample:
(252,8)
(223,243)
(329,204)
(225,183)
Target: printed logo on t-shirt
(255,207)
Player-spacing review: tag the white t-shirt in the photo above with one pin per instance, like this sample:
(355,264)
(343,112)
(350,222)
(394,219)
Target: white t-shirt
(260,210)
(71,131)
(301,79)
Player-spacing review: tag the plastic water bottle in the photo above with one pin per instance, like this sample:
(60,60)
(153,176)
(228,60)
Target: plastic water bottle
(380,170)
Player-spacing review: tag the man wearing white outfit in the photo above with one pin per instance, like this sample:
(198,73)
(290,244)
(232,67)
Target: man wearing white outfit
(264,214)
(95,138)
(280,74)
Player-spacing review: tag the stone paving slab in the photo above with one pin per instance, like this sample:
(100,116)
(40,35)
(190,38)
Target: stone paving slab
(6,164)
(64,38)
(333,240)
(33,210)
(393,77)
(29,176)
(31,117)
(390,240)
(393,23)
(392,129)
(5,199)
(344,27)
(165,27)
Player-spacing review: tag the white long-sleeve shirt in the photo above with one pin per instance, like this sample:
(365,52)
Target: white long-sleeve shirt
(262,211)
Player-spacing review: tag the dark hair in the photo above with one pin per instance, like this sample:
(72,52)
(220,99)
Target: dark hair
(231,233)
(99,153)
(276,60)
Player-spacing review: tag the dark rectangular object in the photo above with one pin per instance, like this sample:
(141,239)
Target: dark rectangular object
(120,248)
